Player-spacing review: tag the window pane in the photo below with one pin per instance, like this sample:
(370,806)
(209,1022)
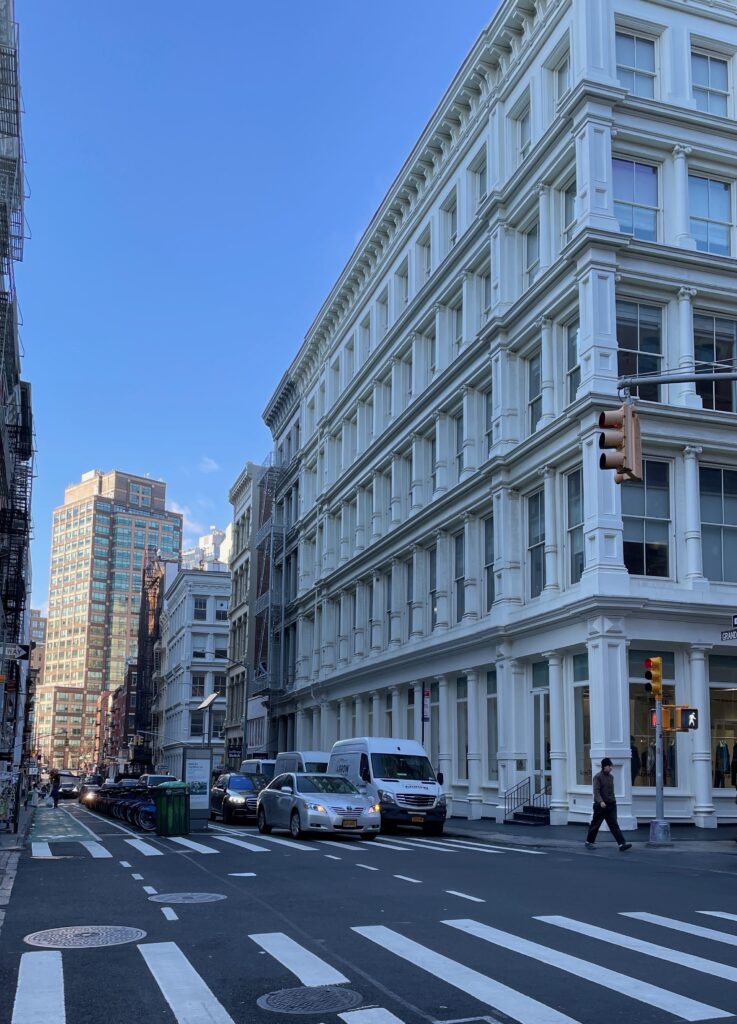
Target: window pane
(644,86)
(644,224)
(625,49)
(700,69)
(645,54)
(626,79)
(698,196)
(718,78)
(624,180)
(719,200)
(711,551)
(634,559)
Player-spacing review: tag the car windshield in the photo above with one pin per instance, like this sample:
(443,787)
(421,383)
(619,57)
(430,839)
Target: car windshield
(324,784)
(156,780)
(316,766)
(245,782)
(402,766)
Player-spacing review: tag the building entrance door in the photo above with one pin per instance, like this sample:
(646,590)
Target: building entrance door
(540,739)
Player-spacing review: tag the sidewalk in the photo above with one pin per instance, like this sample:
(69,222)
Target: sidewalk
(688,837)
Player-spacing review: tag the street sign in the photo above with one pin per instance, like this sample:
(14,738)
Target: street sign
(734,621)
(729,634)
(16,652)
(689,719)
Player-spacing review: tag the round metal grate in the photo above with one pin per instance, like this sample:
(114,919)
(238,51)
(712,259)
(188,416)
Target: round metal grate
(187,897)
(320,999)
(84,936)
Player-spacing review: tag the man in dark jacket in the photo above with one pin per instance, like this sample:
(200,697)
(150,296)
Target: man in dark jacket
(605,808)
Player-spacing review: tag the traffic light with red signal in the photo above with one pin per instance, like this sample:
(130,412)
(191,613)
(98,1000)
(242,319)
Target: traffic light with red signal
(620,443)
(654,676)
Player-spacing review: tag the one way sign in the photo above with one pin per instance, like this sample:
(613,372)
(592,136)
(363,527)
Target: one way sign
(16,652)
(689,719)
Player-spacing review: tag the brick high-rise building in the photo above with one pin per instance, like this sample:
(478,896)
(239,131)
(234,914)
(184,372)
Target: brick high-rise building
(100,537)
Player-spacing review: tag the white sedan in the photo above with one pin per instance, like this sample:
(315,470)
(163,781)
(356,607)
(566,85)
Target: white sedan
(303,802)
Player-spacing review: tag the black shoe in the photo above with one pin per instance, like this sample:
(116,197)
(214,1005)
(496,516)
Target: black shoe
(589,846)
(624,847)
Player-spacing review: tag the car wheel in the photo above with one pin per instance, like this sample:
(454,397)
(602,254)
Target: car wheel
(263,827)
(433,829)
(368,836)
(295,826)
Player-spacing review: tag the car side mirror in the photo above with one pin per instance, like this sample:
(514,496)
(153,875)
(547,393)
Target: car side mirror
(287,789)
(440,778)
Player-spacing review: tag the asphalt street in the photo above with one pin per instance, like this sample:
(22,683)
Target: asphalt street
(402,929)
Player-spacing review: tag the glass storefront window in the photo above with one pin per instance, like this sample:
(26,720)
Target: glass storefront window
(582,726)
(462,726)
(642,731)
(492,730)
(723,714)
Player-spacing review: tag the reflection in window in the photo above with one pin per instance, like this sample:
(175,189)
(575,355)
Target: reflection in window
(536,542)
(646,520)
(636,64)
(710,83)
(639,345)
(715,349)
(719,523)
(636,198)
(723,715)
(710,215)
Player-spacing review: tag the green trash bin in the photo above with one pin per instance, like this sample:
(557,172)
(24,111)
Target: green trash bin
(172,809)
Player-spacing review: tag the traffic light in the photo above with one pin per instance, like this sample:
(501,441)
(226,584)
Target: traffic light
(654,675)
(621,436)
(668,716)
(686,718)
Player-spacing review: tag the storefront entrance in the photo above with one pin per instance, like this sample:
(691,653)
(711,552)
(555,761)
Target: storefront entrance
(540,739)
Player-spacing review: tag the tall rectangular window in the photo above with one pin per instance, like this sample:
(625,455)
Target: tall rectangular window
(574,485)
(488,419)
(462,726)
(433,585)
(196,723)
(409,577)
(485,296)
(524,134)
(562,77)
(479,177)
(636,64)
(636,198)
(715,348)
(200,609)
(425,257)
(710,208)
(450,220)
(719,523)
(489,561)
(459,574)
(573,368)
(569,203)
(492,727)
(710,83)
(639,344)
(532,254)
(458,429)
(388,584)
(534,390)
(457,321)
(646,521)
(536,541)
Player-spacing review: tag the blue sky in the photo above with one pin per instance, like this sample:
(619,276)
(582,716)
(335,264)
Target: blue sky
(199,175)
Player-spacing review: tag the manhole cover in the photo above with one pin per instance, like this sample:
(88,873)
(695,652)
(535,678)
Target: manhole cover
(321,999)
(187,897)
(85,935)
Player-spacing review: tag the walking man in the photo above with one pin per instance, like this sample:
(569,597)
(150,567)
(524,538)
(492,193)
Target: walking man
(56,786)
(605,808)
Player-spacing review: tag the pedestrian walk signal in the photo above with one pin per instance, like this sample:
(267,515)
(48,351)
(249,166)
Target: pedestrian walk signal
(686,718)
(668,715)
(654,676)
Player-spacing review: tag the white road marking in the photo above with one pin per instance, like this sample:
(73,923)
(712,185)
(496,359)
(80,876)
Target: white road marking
(190,999)
(331,856)
(192,845)
(684,926)
(348,845)
(421,844)
(138,878)
(406,878)
(469,844)
(39,996)
(310,969)
(289,842)
(464,896)
(150,890)
(367,867)
(492,993)
(169,914)
(108,821)
(719,913)
(41,850)
(145,848)
(95,849)
(632,988)
(446,845)
(383,846)
(373,1015)
(244,845)
(124,863)
(241,874)
(696,963)
(77,820)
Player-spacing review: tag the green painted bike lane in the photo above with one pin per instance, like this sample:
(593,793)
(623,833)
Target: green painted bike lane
(57,825)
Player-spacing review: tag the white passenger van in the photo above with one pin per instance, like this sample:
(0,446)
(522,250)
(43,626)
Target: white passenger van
(396,774)
(313,761)
(258,766)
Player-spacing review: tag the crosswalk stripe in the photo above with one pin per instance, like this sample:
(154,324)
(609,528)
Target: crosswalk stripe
(349,845)
(465,896)
(492,993)
(149,889)
(632,988)
(39,996)
(406,878)
(169,914)
(41,850)
(383,846)
(368,867)
(448,844)
(427,844)
(696,963)
(190,999)
(190,844)
(289,842)
(95,849)
(469,844)
(372,1015)
(683,926)
(719,913)
(243,844)
(145,848)
(310,969)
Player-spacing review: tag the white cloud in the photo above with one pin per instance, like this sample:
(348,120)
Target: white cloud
(193,528)
(208,465)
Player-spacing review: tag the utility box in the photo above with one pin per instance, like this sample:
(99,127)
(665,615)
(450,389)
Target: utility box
(172,809)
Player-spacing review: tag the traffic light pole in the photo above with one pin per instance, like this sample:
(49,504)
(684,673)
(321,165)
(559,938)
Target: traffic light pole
(659,828)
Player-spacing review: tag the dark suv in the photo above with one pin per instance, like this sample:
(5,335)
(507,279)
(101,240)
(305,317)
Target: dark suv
(235,795)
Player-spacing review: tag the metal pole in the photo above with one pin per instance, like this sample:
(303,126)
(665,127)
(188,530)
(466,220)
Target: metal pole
(674,378)
(659,828)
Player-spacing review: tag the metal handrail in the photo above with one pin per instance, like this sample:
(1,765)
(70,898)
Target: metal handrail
(542,799)
(515,797)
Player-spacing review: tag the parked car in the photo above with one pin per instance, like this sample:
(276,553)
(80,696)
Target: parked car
(258,766)
(311,761)
(151,781)
(235,794)
(320,803)
(70,786)
(90,784)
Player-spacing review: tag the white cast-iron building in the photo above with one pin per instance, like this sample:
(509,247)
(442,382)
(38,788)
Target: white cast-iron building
(567,216)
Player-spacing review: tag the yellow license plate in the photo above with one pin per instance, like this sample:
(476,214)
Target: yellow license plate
(350,823)
(417,819)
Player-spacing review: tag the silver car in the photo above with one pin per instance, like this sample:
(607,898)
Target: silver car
(303,802)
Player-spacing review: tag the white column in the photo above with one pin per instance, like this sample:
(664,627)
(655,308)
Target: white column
(694,559)
(361,515)
(317,728)
(377,505)
(301,729)
(472,426)
(329,725)
(473,756)
(361,723)
(395,618)
(377,714)
(420,473)
(442,451)
(547,370)
(397,725)
(558,753)
(399,488)
(361,645)
(594,179)
(344,712)
(703,809)
(378,612)
(551,532)
(418,691)
(445,762)
(508,586)
(419,596)
(442,595)
(684,238)
(687,391)
(597,305)
(544,225)
(472,561)
(344,633)
(345,540)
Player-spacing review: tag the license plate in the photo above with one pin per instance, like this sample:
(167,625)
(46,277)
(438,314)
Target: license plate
(350,823)
(417,819)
